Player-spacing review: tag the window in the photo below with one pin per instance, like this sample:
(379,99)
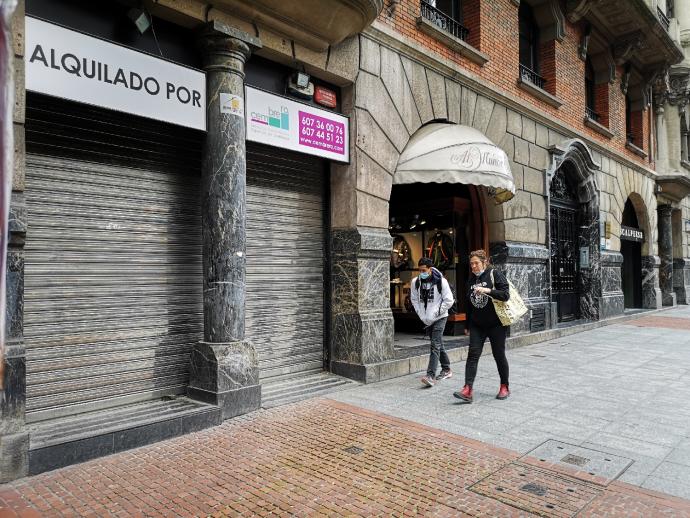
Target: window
(590,92)
(670,9)
(634,135)
(529,46)
(446,15)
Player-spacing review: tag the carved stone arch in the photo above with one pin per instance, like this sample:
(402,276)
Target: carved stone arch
(549,18)
(643,220)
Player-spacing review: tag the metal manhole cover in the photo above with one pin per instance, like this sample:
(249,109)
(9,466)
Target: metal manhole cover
(355,450)
(535,489)
(575,459)
(597,463)
(550,494)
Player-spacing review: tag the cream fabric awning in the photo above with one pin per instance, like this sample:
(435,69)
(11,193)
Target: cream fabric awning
(451,153)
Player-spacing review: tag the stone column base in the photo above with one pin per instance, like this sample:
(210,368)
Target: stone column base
(668,299)
(226,375)
(14,456)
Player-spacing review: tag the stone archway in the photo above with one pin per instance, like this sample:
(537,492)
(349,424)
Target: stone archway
(575,159)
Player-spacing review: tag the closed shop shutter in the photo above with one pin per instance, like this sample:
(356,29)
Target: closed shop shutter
(285,260)
(113,277)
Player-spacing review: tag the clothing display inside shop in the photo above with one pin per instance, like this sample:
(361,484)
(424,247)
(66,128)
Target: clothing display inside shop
(440,230)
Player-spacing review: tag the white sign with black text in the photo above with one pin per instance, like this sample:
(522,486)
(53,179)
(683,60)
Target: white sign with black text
(71,65)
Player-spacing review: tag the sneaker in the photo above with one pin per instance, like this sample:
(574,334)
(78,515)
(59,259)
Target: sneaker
(444,375)
(428,381)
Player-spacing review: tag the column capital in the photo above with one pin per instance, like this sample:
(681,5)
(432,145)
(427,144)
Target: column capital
(665,209)
(226,48)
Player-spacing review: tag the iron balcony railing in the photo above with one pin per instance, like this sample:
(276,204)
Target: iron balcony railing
(444,21)
(663,18)
(529,75)
(591,114)
(630,138)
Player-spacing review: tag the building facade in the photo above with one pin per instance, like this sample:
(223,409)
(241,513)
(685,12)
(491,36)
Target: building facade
(165,277)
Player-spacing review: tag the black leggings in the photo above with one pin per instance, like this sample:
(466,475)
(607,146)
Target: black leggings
(497,337)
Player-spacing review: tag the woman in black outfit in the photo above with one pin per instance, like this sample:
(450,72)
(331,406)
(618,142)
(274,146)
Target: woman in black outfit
(483,322)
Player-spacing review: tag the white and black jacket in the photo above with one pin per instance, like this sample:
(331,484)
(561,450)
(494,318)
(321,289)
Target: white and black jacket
(431,297)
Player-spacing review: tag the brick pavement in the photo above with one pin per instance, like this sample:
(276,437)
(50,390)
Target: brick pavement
(326,458)
(665,322)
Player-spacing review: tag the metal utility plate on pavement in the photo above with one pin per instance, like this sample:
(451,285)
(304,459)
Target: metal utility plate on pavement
(598,463)
(537,491)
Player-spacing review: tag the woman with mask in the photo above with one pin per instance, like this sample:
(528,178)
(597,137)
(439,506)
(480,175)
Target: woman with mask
(485,283)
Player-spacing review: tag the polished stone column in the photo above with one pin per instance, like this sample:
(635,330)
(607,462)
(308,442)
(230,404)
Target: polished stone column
(668,297)
(224,366)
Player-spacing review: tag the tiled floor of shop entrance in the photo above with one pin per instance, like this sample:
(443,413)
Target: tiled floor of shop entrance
(326,458)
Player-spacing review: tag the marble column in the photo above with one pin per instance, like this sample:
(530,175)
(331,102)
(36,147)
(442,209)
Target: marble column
(224,366)
(668,297)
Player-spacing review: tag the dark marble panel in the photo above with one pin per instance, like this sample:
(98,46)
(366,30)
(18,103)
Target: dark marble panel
(363,337)
(361,322)
(148,434)
(612,305)
(12,404)
(681,280)
(66,454)
(591,278)
(14,456)
(611,273)
(15,294)
(651,293)
(666,255)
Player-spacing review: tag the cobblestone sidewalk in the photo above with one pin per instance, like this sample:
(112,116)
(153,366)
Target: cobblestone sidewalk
(326,458)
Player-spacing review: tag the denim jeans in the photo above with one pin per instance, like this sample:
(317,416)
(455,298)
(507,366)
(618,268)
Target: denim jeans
(437,350)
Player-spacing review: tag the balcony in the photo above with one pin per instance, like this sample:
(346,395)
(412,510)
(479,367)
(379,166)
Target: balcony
(591,114)
(444,21)
(449,31)
(526,74)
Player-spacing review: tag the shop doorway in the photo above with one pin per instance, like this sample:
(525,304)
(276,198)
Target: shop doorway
(565,264)
(631,249)
(443,222)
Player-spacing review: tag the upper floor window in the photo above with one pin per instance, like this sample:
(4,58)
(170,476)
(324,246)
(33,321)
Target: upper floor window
(529,46)
(446,15)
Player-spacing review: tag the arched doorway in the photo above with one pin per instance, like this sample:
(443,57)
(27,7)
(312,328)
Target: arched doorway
(443,222)
(565,237)
(631,248)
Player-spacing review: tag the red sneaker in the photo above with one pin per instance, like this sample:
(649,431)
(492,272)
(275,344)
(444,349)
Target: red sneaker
(465,394)
(503,392)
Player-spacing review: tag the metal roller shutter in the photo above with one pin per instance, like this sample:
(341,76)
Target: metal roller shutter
(113,274)
(285,260)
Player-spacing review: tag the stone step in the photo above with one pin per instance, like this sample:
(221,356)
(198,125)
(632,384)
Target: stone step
(303,387)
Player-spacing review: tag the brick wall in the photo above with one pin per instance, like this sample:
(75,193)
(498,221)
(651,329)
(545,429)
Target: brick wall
(498,38)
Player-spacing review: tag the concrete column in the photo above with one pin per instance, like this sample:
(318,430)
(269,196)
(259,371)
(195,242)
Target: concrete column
(661,140)
(673,137)
(224,366)
(668,297)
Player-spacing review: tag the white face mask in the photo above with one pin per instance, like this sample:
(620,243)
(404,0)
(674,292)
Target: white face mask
(479,274)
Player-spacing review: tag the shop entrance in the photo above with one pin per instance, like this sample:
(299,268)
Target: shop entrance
(565,267)
(631,249)
(443,222)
